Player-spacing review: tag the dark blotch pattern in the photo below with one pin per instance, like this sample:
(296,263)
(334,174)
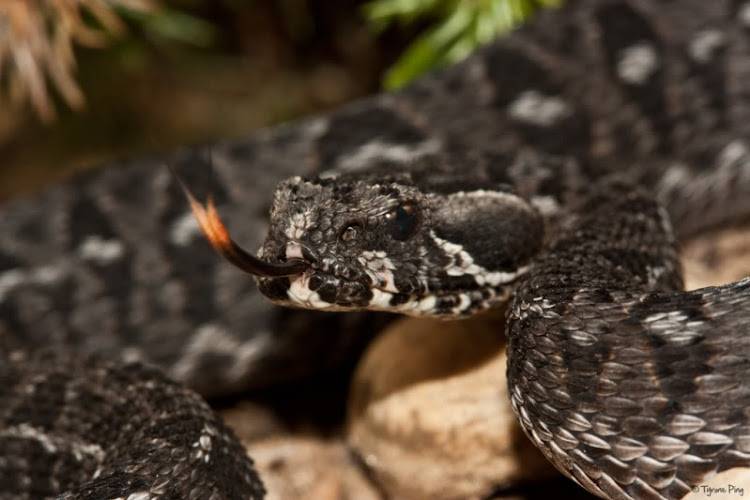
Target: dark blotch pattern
(623,27)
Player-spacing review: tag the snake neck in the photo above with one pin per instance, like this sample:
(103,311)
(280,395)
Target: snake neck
(564,351)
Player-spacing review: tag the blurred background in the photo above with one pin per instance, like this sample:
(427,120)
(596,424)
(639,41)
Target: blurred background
(85,81)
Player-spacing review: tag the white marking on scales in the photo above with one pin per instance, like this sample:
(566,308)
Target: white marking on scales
(743,14)
(637,63)
(463,264)
(705,45)
(538,109)
(97,249)
(184,230)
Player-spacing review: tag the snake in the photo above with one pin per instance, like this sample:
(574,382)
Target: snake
(553,173)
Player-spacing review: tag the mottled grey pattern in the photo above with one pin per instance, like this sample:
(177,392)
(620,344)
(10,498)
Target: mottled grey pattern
(98,429)
(111,262)
(628,385)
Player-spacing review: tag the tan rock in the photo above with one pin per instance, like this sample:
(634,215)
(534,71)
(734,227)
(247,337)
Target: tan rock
(717,258)
(310,468)
(252,421)
(430,415)
(296,466)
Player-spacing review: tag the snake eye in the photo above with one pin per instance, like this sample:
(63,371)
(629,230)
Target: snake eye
(402,222)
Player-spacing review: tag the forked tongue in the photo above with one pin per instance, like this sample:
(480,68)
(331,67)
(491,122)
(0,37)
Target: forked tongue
(218,236)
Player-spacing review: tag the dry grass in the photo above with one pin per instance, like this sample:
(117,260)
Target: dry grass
(36,47)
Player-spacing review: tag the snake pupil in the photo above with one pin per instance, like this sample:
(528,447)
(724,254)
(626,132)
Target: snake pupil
(402,222)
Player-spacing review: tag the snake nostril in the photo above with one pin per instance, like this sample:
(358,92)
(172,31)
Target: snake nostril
(309,255)
(351,231)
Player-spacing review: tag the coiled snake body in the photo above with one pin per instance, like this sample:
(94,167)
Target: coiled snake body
(534,172)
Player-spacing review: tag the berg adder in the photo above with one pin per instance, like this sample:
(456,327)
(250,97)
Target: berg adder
(536,170)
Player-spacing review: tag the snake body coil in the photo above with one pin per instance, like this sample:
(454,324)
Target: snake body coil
(629,386)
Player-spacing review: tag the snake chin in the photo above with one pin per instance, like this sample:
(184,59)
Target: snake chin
(318,289)
(321,290)
(341,288)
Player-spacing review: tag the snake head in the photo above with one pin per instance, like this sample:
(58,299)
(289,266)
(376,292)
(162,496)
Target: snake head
(389,243)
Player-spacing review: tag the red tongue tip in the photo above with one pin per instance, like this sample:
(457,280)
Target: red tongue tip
(218,236)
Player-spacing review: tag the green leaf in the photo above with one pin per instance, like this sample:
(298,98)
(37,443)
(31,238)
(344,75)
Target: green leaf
(418,58)
(429,51)
(460,27)
(460,49)
(384,12)
(453,27)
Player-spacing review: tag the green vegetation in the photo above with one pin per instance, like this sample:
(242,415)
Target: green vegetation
(455,29)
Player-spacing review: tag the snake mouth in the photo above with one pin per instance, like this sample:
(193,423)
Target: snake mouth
(323,285)
(314,289)
(317,289)
(339,284)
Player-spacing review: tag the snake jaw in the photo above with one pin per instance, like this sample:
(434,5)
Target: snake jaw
(218,236)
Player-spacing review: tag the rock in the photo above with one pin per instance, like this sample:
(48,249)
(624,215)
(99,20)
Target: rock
(429,411)
(310,468)
(252,421)
(717,258)
(297,465)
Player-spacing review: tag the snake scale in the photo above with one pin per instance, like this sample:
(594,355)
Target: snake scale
(555,169)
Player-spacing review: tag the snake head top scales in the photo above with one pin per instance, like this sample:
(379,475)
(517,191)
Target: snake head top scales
(356,241)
